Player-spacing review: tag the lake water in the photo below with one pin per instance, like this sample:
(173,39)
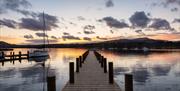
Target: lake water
(151,72)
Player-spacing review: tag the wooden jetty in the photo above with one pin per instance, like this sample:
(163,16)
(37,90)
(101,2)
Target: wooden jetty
(13,56)
(91,74)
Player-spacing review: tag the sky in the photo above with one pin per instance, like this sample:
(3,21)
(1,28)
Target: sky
(79,21)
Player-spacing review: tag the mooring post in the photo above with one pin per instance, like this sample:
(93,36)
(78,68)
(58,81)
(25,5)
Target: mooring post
(105,65)
(51,83)
(111,73)
(19,54)
(77,65)
(80,61)
(102,61)
(128,82)
(27,54)
(13,56)
(10,55)
(71,72)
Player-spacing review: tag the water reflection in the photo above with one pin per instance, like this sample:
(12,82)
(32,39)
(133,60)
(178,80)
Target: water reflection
(152,71)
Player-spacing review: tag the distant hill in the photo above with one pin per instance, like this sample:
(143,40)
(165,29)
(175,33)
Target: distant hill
(5,45)
(119,43)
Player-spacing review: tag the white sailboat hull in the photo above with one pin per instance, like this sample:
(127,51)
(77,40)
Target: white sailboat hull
(39,54)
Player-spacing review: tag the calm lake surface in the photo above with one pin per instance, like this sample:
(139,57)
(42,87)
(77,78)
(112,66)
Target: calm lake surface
(151,72)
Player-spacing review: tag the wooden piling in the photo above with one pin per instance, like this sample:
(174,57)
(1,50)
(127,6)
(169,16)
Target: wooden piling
(77,65)
(27,54)
(71,72)
(102,61)
(80,61)
(51,83)
(13,56)
(19,54)
(128,82)
(10,55)
(111,73)
(105,65)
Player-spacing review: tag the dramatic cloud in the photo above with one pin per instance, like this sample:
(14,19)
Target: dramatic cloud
(111,22)
(18,6)
(160,24)
(70,37)
(109,3)
(176,20)
(36,24)
(41,34)
(139,19)
(54,37)
(101,38)
(87,38)
(28,36)
(8,23)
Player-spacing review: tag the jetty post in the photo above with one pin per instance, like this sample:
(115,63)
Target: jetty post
(111,73)
(71,72)
(77,65)
(51,83)
(105,65)
(128,82)
(80,61)
(102,61)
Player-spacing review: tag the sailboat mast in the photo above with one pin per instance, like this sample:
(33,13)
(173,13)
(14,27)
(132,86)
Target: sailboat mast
(44,27)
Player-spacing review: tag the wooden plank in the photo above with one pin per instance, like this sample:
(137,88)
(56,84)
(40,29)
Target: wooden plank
(91,77)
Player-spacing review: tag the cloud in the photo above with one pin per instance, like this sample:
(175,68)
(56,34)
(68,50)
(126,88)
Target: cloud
(176,20)
(101,38)
(36,24)
(89,27)
(111,22)
(70,37)
(80,18)
(66,33)
(8,23)
(41,41)
(139,19)
(159,23)
(112,31)
(140,32)
(28,36)
(54,37)
(109,3)
(174,9)
(41,34)
(18,6)
(89,32)
(169,2)
(87,38)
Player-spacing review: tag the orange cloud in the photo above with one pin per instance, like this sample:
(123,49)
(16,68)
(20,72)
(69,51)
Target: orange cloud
(170,37)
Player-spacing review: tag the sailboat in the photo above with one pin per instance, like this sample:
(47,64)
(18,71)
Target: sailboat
(40,52)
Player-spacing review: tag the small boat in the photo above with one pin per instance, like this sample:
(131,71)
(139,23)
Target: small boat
(40,52)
